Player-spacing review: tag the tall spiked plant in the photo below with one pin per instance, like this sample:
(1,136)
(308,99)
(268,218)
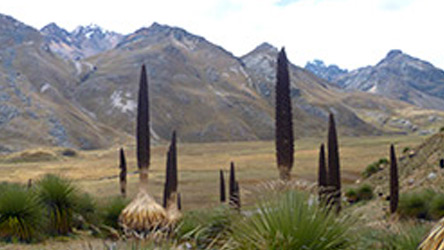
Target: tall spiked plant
(123,173)
(284,123)
(394,185)
(234,191)
(222,186)
(143,215)
(334,174)
(170,190)
(143,130)
(322,175)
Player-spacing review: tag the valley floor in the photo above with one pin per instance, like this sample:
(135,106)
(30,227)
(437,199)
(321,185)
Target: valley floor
(96,172)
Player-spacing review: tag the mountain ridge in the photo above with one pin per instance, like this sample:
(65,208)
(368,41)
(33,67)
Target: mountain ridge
(198,88)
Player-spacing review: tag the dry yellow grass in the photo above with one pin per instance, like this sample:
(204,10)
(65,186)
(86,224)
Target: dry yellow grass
(97,171)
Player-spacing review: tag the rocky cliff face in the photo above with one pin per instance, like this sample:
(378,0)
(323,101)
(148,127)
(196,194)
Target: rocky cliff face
(83,42)
(329,73)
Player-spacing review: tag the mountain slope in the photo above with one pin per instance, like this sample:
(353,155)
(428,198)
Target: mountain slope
(399,76)
(196,88)
(34,86)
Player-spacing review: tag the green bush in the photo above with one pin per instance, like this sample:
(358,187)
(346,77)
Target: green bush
(407,238)
(374,167)
(59,197)
(289,222)
(437,207)
(111,211)
(206,229)
(85,210)
(365,192)
(370,169)
(21,214)
(352,195)
(406,149)
(416,204)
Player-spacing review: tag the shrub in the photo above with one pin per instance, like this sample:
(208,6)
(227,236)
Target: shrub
(374,167)
(383,161)
(112,210)
(437,206)
(365,192)
(21,214)
(289,222)
(405,150)
(85,208)
(205,229)
(59,197)
(370,169)
(415,205)
(352,195)
(408,237)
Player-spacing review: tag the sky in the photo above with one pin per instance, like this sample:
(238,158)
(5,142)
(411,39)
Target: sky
(348,33)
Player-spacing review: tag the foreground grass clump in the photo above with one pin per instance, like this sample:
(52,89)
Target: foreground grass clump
(21,214)
(290,222)
(407,237)
(426,204)
(111,211)
(206,229)
(58,195)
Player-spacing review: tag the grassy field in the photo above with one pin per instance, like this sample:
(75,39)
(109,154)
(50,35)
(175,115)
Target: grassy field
(96,171)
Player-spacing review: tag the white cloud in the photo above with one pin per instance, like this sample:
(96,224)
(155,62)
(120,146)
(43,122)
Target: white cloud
(349,33)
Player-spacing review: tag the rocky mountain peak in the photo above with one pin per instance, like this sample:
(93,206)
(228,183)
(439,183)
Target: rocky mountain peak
(393,53)
(13,32)
(82,42)
(266,47)
(329,73)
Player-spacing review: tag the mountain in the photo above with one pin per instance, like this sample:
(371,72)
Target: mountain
(34,95)
(196,87)
(329,73)
(207,94)
(84,41)
(401,77)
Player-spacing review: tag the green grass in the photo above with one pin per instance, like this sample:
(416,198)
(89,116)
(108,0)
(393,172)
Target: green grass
(111,211)
(207,228)
(416,204)
(59,198)
(21,214)
(408,237)
(289,222)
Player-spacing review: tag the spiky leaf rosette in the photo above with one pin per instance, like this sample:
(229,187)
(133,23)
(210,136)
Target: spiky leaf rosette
(143,128)
(222,186)
(394,185)
(143,217)
(322,175)
(435,239)
(123,173)
(334,174)
(284,123)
